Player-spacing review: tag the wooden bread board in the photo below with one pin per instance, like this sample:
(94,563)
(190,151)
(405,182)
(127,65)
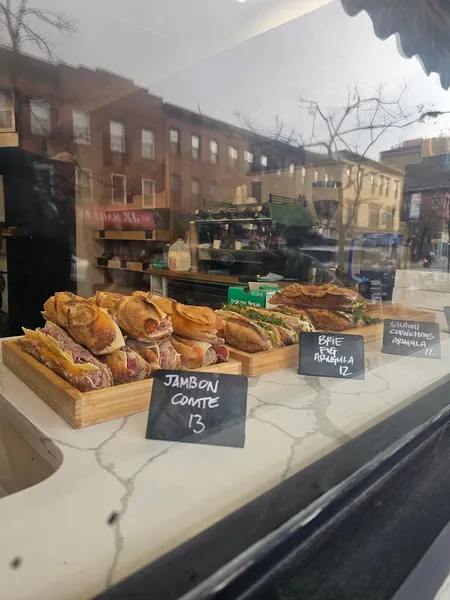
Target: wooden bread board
(261,363)
(83,409)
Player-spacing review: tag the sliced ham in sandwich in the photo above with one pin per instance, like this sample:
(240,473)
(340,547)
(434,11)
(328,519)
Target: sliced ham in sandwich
(169,358)
(196,354)
(54,348)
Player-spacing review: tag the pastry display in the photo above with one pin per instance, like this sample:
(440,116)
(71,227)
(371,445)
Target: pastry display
(112,339)
(54,348)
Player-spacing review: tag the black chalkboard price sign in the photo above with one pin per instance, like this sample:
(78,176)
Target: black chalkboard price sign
(199,408)
(331,355)
(411,338)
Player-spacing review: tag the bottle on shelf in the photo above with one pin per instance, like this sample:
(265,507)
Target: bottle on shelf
(166,255)
(179,256)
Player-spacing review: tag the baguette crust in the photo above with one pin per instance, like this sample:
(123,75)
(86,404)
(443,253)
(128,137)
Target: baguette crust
(328,296)
(243,334)
(195,322)
(148,350)
(85,322)
(332,320)
(137,315)
(193,355)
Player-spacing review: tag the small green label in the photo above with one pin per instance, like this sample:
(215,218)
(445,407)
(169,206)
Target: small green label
(257,298)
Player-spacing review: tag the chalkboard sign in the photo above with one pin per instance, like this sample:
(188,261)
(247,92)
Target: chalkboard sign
(411,338)
(200,408)
(447,315)
(331,355)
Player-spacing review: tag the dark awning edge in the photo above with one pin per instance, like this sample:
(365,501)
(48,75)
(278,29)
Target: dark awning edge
(423,28)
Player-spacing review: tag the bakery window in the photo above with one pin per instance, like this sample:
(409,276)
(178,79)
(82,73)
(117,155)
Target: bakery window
(224,299)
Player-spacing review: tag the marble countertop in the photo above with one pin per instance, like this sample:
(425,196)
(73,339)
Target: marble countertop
(163,492)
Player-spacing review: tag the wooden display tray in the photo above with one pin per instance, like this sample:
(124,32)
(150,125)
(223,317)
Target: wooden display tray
(261,363)
(83,409)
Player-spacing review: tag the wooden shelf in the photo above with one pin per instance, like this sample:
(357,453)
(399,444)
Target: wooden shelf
(141,267)
(150,235)
(237,220)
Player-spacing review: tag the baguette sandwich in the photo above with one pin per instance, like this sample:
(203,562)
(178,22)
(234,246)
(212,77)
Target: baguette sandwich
(327,296)
(279,322)
(85,322)
(55,349)
(328,320)
(169,357)
(298,321)
(127,366)
(195,354)
(244,334)
(148,350)
(137,315)
(194,322)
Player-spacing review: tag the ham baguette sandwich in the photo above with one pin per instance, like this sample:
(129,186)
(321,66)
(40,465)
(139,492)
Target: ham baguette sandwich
(195,354)
(137,315)
(127,366)
(195,322)
(54,348)
(169,357)
(244,334)
(86,323)
(148,350)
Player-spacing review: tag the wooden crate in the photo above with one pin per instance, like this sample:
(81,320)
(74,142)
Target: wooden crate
(79,409)
(261,363)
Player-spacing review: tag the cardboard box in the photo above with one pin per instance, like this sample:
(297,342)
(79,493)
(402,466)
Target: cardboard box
(255,297)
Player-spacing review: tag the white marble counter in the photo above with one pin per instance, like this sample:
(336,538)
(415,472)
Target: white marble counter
(167,492)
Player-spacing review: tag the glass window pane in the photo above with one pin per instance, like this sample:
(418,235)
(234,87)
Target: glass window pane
(117,136)
(119,188)
(286,145)
(81,127)
(148,144)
